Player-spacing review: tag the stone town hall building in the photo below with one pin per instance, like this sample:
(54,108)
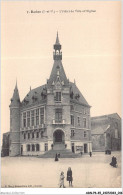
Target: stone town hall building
(52,115)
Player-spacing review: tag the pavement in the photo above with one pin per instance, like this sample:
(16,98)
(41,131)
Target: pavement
(88,172)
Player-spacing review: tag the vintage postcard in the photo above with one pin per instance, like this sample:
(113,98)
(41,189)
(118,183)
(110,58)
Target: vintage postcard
(61,96)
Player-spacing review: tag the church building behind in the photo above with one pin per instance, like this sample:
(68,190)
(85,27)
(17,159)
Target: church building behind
(52,116)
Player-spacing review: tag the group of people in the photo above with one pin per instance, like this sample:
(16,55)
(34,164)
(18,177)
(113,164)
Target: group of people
(69,178)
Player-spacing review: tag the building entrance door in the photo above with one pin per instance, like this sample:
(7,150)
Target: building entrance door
(21,150)
(58,136)
(85,148)
(73,150)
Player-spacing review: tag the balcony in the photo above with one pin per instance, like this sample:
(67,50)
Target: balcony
(60,122)
(41,126)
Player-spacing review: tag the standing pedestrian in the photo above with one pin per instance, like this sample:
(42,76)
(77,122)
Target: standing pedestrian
(52,146)
(59,155)
(69,176)
(90,154)
(56,157)
(62,180)
(114,162)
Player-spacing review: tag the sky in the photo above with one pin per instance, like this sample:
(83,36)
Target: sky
(91,50)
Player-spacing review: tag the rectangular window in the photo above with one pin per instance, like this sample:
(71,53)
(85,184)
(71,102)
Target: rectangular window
(28,119)
(84,110)
(71,108)
(32,117)
(58,115)
(37,147)
(58,96)
(24,135)
(84,122)
(32,135)
(72,120)
(28,122)
(85,134)
(87,111)
(78,118)
(28,148)
(24,119)
(116,133)
(72,133)
(28,135)
(41,133)
(37,116)
(42,115)
(46,147)
(37,135)
(42,119)
(33,147)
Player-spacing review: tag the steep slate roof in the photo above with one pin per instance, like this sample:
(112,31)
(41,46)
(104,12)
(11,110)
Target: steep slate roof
(75,90)
(100,124)
(15,100)
(57,71)
(37,91)
(113,115)
(57,66)
(99,129)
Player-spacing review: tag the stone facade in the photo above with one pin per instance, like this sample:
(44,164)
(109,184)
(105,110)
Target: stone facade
(5,144)
(54,114)
(106,132)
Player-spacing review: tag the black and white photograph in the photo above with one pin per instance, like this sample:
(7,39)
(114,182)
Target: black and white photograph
(61,94)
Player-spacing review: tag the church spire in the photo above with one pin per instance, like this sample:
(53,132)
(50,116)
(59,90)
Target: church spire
(57,39)
(15,100)
(16,84)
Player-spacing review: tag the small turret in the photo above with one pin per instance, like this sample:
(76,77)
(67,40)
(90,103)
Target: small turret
(15,123)
(15,100)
